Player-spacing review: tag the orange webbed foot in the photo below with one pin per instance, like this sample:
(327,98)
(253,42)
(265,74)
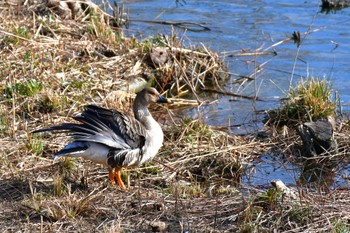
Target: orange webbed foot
(111,176)
(119,179)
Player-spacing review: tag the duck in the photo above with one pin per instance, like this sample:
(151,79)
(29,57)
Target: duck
(113,138)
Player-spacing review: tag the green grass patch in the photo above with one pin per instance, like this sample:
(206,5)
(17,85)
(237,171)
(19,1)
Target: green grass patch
(18,32)
(191,130)
(309,100)
(341,226)
(25,88)
(35,144)
(4,124)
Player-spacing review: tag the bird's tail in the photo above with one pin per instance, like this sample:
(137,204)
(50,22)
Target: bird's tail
(73,149)
(66,127)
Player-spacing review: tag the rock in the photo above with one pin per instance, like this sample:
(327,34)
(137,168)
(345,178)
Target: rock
(317,138)
(69,9)
(158,226)
(287,192)
(334,5)
(159,56)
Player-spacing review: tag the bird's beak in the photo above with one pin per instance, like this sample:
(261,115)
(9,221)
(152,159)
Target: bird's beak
(163,100)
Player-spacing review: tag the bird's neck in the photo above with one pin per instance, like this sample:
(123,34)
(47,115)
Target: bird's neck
(143,115)
(154,133)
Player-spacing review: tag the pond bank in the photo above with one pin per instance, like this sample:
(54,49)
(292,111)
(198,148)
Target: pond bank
(52,67)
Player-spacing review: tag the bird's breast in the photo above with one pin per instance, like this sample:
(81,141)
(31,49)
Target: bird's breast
(153,143)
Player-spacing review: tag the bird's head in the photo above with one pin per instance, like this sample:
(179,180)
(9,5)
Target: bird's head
(150,95)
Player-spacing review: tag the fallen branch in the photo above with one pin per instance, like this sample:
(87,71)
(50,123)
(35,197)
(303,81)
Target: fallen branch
(187,51)
(176,24)
(274,53)
(293,37)
(179,102)
(231,94)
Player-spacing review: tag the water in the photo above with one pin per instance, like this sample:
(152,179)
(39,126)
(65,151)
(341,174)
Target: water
(237,25)
(268,168)
(320,175)
(254,24)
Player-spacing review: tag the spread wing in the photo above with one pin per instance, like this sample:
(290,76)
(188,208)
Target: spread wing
(109,127)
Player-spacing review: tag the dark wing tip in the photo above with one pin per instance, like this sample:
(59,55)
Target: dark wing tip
(40,130)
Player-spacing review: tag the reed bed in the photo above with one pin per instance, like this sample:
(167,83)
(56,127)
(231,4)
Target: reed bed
(51,67)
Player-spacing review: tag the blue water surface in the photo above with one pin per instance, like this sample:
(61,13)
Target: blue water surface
(250,25)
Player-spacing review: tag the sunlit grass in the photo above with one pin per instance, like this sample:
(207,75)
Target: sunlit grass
(18,32)
(195,177)
(313,97)
(309,100)
(35,145)
(25,88)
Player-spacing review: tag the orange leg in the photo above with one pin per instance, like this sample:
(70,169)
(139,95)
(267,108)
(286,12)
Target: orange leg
(119,179)
(111,176)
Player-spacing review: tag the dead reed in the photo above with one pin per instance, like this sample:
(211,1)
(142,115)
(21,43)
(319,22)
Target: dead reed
(51,67)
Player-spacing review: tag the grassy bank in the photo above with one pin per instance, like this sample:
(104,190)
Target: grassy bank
(51,67)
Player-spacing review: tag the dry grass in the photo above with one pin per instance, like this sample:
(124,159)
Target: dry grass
(50,68)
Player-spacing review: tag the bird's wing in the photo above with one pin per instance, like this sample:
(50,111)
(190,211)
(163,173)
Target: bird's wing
(109,127)
(122,158)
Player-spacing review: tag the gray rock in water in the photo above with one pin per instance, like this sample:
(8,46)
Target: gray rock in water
(335,3)
(318,138)
(328,6)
